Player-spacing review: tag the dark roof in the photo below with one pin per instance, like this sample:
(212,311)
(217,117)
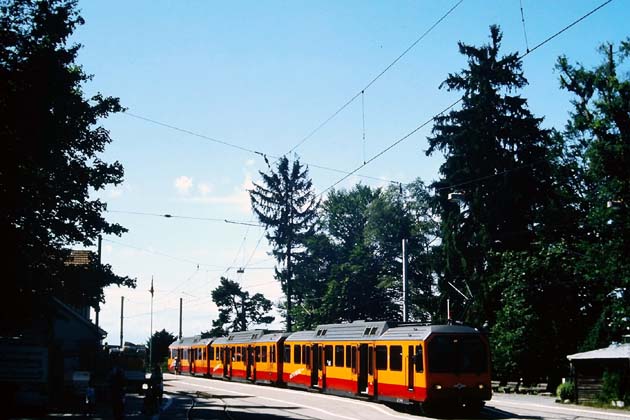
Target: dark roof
(68,311)
(80,257)
(272,337)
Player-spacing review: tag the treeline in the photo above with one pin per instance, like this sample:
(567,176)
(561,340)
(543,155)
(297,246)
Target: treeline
(526,231)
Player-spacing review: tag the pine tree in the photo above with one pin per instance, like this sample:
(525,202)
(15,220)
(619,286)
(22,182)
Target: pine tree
(286,204)
(496,158)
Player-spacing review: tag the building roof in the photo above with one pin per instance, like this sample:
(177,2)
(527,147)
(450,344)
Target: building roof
(614,351)
(80,257)
(62,308)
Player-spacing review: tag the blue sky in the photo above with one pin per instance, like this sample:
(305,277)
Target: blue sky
(263,75)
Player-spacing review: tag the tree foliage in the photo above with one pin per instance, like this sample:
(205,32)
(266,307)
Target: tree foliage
(51,146)
(158,345)
(237,309)
(285,203)
(497,159)
(598,140)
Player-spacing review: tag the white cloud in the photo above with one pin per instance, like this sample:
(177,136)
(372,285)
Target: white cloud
(183,184)
(204,189)
(250,162)
(239,197)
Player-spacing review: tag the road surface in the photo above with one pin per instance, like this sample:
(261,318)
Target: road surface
(200,398)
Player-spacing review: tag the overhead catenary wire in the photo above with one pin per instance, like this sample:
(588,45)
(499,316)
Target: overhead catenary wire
(406,136)
(378,76)
(173,216)
(524,29)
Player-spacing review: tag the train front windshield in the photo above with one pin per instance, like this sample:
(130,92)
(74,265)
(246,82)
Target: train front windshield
(457,354)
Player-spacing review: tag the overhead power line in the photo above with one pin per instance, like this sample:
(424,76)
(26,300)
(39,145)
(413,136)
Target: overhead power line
(362,91)
(173,216)
(245,149)
(406,136)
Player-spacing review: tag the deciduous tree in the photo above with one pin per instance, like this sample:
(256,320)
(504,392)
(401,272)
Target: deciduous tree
(51,146)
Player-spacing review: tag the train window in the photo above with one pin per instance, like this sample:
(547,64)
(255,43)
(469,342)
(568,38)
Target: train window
(211,353)
(297,354)
(272,354)
(418,359)
(264,354)
(381,357)
(287,354)
(307,355)
(367,331)
(328,352)
(339,356)
(354,358)
(348,356)
(238,354)
(373,331)
(370,361)
(395,358)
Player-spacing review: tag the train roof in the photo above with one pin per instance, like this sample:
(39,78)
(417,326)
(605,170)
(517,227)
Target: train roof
(356,330)
(422,332)
(186,342)
(240,337)
(302,336)
(273,337)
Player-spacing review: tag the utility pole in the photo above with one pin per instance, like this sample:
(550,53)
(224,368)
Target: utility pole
(180,317)
(404,279)
(151,329)
(122,306)
(97,308)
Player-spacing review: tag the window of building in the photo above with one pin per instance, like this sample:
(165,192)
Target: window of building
(381,357)
(395,358)
(339,356)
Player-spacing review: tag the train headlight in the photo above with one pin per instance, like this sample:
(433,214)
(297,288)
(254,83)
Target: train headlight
(437,386)
(481,386)
(145,386)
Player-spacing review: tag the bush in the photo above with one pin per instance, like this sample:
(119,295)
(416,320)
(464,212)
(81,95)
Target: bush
(612,389)
(566,391)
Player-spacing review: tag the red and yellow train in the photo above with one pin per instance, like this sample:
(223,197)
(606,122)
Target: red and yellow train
(409,363)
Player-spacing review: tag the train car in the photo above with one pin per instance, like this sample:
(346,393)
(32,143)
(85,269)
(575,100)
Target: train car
(201,355)
(432,365)
(345,357)
(298,361)
(238,354)
(458,363)
(182,350)
(268,365)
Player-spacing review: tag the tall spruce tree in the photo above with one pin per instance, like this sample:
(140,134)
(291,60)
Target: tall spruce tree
(496,159)
(286,204)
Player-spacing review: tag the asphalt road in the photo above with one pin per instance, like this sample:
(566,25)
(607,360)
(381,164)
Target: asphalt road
(199,398)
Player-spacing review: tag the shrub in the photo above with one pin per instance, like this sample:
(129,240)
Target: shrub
(611,387)
(566,391)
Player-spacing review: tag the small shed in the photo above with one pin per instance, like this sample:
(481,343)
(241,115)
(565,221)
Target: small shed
(588,370)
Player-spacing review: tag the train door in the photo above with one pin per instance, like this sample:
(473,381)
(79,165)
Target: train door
(411,371)
(316,360)
(227,362)
(365,380)
(250,368)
